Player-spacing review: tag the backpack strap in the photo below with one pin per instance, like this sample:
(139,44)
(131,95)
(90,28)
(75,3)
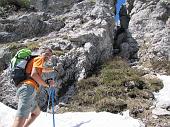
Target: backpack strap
(28,75)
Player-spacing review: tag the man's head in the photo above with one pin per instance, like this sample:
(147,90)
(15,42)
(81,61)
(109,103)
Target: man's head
(46,52)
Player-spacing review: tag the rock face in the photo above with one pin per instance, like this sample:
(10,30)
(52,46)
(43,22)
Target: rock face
(60,7)
(84,33)
(54,6)
(4,58)
(150,27)
(17,27)
(7,90)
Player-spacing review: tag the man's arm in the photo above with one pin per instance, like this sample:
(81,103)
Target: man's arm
(48,69)
(37,77)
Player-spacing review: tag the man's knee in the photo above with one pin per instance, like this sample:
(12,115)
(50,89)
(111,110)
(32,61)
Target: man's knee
(36,112)
(34,115)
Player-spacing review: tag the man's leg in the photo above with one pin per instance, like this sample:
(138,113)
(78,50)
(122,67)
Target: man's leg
(25,95)
(32,116)
(19,122)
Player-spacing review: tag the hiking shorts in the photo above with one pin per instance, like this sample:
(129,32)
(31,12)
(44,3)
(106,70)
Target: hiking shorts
(26,100)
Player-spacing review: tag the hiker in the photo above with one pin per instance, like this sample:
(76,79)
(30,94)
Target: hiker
(28,109)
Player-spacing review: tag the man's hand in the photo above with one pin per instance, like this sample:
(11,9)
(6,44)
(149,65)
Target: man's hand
(56,68)
(52,83)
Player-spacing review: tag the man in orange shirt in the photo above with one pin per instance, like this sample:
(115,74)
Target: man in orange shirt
(28,109)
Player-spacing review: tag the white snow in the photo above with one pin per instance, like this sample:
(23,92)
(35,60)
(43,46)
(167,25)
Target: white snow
(73,119)
(162,97)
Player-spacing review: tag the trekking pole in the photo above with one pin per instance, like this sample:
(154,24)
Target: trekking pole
(53,94)
(49,96)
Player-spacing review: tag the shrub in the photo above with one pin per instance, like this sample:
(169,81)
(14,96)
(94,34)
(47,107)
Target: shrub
(87,84)
(161,65)
(32,45)
(85,98)
(154,84)
(92,1)
(166,1)
(17,3)
(112,105)
(14,47)
(117,72)
(58,52)
(24,3)
(3,3)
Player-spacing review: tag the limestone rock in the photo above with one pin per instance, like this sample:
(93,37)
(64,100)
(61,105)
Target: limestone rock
(17,27)
(53,6)
(150,27)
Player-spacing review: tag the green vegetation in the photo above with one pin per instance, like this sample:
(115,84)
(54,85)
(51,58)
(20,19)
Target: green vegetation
(161,65)
(92,1)
(17,3)
(33,45)
(24,3)
(2,12)
(113,9)
(3,3)
(116,87)
(117,72)
(14,47)
(58,52)
(61,18)
(111,104)
(154,84)
(165,1)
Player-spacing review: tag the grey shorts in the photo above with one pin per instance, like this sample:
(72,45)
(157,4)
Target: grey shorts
(27,100)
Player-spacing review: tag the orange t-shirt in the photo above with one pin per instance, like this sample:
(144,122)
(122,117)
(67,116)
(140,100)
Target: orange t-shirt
(36,62)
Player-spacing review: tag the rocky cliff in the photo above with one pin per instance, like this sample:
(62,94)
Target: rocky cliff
(150,27)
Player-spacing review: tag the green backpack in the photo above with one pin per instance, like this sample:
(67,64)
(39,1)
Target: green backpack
(18,66)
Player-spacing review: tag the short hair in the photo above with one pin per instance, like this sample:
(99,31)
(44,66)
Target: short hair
(44,49)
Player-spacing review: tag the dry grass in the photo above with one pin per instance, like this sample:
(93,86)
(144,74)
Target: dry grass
(107,91)
(161,65)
